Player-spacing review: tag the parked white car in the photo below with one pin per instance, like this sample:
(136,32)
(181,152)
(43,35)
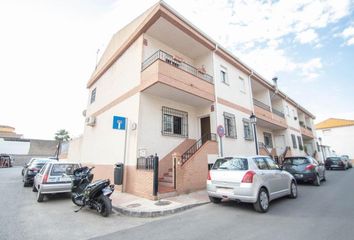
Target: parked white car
(256,179)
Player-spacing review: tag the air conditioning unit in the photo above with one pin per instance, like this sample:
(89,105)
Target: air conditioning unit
(90,121)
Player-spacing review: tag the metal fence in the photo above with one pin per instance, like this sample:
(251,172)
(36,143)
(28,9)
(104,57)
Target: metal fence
(279,113)
(261,105)
(145,163)
(161,55)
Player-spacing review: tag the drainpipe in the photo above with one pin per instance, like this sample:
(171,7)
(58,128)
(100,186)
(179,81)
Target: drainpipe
(252,107)
(216,95)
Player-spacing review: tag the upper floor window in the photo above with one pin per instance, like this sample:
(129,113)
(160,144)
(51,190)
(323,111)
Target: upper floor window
(93,96)
(293,139)
(223,75)
(243,84)
(174,122)
(247,130)
(301,147)
(287,111)
(230,125)
(268,142)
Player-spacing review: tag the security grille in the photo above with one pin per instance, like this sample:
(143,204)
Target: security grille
(230,125)
(174,122)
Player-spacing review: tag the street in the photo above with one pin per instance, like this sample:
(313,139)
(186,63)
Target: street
(325,212)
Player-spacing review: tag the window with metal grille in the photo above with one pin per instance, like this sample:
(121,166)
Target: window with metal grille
(247,129)
(268,142)
(293,138)
(174,122)
(93,96)
(230,125)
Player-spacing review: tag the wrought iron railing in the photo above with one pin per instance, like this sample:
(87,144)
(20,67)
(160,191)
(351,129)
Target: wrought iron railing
(197,145)
(261,105)
(279,113)
(145,163)
(161,55)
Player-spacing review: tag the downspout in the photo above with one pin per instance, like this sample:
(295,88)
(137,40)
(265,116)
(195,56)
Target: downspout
(216,96)
(252,107)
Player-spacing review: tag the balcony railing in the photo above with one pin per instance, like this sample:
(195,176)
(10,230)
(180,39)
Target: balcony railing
(261,105)
(309,128)
(178,63)
(279,113)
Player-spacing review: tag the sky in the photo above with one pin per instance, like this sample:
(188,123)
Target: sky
(48,51)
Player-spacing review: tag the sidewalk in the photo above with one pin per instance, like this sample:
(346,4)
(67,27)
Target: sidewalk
(132,205)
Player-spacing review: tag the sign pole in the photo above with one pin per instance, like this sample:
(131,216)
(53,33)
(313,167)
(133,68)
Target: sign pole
(125,154)
(221,148)
(221,132)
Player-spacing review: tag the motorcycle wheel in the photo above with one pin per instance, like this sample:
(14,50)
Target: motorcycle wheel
(73,200)
(106,205)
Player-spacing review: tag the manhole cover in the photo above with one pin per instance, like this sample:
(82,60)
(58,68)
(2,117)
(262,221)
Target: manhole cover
(134,205)
(162,203)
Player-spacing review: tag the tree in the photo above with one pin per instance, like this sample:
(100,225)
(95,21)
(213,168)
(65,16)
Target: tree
(61,136)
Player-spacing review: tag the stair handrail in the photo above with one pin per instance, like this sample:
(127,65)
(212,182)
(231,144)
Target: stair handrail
(196,146)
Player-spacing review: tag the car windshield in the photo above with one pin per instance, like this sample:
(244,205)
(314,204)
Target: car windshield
(60,169)
(231,164)
(296,161)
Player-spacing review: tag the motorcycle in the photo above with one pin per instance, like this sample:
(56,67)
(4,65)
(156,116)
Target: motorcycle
(94,195)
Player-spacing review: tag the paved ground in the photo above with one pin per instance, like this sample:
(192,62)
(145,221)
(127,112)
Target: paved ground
(21,217)
(325,212)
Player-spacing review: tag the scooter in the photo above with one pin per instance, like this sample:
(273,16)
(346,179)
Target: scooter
(94,195)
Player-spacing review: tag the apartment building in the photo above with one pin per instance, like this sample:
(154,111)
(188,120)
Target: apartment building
(171,86)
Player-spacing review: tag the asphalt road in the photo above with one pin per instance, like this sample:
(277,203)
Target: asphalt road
(325,212)
(21,217)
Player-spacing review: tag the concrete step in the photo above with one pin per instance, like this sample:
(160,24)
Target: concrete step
(167,179)
(166,184)
(165,192)
(169,174)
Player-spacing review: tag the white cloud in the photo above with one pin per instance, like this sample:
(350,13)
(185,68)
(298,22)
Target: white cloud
(348,35)
(310,69)
(308,36)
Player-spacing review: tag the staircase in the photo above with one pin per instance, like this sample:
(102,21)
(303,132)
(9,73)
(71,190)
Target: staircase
(166,186)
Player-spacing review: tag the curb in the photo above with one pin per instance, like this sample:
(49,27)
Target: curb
(145,214)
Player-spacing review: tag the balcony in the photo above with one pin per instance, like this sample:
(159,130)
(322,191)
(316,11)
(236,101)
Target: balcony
(273,120)
(306,132)
(167,76)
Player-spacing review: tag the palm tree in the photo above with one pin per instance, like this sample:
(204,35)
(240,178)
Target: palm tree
(61,136)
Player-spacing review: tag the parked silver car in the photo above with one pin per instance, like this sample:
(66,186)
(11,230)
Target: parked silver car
(256,180)
(54,177)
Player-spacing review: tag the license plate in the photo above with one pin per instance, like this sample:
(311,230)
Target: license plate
(224,190)
(106,191)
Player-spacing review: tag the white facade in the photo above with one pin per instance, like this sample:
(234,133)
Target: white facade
(340,139)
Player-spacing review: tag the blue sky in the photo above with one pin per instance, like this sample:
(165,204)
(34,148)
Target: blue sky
(48,51)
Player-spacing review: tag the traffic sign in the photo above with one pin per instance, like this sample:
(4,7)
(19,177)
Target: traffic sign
(220,130)
(119,122)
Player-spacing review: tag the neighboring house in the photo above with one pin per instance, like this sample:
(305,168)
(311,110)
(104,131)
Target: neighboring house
(22,149)
(338,134)
(175,85)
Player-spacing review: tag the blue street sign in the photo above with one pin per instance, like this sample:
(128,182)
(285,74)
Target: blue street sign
(119,122)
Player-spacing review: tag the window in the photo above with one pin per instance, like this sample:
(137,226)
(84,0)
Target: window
(271,164)
(268,140)
(231,164)
(247,129)
(93,96)
(230,125)
(174,122)
(301,147)
(223,75)
(243,84)
(293,138)
(287,111)
(261,164)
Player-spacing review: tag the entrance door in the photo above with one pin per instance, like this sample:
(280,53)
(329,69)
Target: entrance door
(280,144)
(204,128)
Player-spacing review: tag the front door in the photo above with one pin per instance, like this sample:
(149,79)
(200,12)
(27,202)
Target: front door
(204,128)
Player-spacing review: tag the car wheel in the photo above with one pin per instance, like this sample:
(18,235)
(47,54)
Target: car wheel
(262,204)
(34,189)
(22,172)
(214,199)
(317,181)
(40,197)
(293,190)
